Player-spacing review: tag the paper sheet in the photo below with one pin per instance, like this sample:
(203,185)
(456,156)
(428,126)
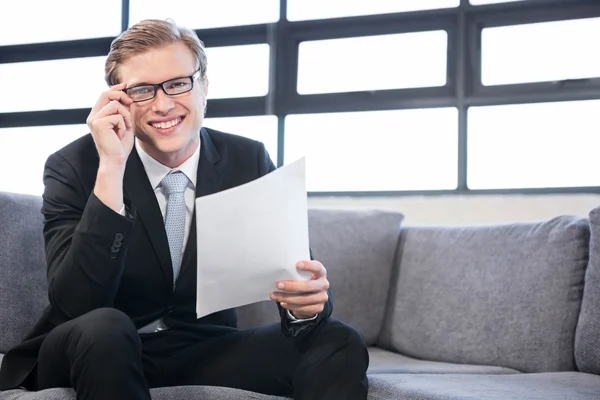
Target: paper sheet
(250,237)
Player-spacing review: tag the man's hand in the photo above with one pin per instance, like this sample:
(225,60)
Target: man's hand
(112,129)
(111,126)
(304,299)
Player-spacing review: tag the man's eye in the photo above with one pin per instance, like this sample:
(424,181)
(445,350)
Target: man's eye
(140,90)
(177,84)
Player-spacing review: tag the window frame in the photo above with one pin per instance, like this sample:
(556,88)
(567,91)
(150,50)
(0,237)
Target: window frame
(463,88)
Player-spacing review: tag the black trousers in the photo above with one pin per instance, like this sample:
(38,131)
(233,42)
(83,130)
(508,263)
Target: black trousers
(101,356)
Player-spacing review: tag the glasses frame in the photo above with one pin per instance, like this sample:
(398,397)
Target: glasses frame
(192,79)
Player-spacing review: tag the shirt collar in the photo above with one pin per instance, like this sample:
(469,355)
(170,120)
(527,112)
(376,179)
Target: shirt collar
(157,171)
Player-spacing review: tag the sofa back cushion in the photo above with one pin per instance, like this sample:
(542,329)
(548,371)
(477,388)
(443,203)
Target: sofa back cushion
(504,295)
(358,248)
(23,293)
(587,337)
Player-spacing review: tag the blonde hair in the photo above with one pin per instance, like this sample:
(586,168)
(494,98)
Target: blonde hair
(151,34)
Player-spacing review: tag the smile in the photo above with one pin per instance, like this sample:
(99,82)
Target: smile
(167,124)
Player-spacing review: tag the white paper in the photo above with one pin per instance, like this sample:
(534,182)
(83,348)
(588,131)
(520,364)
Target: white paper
(250,237)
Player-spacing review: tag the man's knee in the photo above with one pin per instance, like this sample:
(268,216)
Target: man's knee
(106,330)
(345,333)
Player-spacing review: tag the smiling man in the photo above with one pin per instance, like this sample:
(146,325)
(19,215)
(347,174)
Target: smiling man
(119,232)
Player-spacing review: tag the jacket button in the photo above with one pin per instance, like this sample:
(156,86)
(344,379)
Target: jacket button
(117,244)
(119,236)
(114,249)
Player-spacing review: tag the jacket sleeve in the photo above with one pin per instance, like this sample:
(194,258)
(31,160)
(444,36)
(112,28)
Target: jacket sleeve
(85,242)
(290,329)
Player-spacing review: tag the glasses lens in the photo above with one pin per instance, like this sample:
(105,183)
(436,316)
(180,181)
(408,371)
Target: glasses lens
(178,86)
(141,93)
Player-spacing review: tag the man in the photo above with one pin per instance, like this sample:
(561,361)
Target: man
(120,243)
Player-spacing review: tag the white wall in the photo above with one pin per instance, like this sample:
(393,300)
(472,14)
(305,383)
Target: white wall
(475,209)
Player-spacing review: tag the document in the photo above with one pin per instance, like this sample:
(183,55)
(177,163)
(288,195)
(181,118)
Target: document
(250,237)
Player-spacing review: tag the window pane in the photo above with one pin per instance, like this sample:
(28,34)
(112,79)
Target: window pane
(29,21)
(261,127)
(56,84)
(206,13)
(396,61)
(238,71)
(29,148)
(534,145)
(381,150)
(482,2)
(299,10)
(540,52)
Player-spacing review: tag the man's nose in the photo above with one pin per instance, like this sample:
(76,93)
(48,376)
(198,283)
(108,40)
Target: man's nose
(162,101)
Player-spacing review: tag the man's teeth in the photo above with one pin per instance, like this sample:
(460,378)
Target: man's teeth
(166,125)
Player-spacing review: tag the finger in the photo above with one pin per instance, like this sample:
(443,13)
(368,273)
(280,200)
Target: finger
(312,266)
(306,300)
(117,123)
(315,285)
(309,310)
(114,93)
(114,107)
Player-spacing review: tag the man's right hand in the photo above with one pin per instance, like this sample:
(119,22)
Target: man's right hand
(111,126)
(112,129)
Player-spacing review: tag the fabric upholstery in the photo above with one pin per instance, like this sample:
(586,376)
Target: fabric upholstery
(22,267)
(587,339)
(504,295)
(546,386)
(358,248)
(387,362)
(168,393)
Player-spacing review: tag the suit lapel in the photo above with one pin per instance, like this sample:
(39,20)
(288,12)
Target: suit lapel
(208,181)
(140,199)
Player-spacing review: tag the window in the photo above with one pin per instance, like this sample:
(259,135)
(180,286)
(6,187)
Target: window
(29,148)
(299,10)
(540,52)
(238,71)
(48,21)
(206,13)
(482,2)
(406,60)
(56,84)
(262,128)
(376,151)
(534,145)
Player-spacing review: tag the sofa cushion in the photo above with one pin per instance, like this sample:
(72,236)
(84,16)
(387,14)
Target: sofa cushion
(23,293)
(170,393)
(505,295)
(387,362)
(587,337)
(358,248)
(546,386)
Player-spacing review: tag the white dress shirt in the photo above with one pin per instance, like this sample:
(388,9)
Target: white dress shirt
(156,172)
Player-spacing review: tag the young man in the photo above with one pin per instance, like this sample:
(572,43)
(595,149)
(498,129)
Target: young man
(120,243)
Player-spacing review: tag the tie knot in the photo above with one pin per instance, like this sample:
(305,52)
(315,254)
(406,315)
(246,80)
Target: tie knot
(175,182)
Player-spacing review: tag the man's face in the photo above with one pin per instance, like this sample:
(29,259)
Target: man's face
(167,126)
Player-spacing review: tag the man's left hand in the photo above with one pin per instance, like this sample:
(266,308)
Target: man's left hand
(304,299)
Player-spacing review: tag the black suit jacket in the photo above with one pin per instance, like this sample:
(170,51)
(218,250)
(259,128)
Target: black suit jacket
(97,258)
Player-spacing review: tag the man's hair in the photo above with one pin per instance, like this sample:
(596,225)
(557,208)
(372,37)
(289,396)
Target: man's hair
(147,35)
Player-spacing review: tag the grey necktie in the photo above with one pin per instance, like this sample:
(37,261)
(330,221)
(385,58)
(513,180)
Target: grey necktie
(174,184)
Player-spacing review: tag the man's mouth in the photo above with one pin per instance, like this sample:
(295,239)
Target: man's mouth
(167,124)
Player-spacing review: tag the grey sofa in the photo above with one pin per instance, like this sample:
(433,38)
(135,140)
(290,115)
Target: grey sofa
(492,312)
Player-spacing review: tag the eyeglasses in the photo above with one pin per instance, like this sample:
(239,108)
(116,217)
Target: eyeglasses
(171,87)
